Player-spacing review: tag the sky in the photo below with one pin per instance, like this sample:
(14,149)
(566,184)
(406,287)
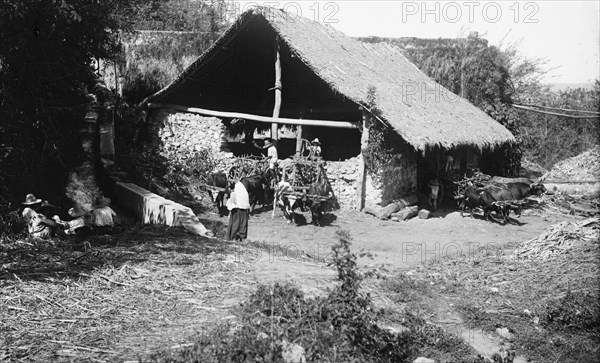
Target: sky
(565,34)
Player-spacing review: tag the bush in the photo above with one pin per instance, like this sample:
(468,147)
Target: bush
(577,311)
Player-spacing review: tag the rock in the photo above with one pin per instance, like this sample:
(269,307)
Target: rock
(292,353)
(406,213)
(262,336)
(505,333)
(423,360)
(424,214)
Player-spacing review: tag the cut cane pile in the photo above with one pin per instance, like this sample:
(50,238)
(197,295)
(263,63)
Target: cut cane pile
(561,239)
(585,166)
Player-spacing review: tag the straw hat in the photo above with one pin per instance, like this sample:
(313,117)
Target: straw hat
(316,141)
(76,212)
(30,199)
(101,202)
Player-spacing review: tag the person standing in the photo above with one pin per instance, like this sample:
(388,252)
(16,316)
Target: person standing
(239,211)
(272,154)
(434,187)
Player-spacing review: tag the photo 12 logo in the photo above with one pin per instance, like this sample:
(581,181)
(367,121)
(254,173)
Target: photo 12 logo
(321,12)
(469,11)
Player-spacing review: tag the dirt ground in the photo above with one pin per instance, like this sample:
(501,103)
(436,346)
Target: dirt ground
(393,245)
(171,284)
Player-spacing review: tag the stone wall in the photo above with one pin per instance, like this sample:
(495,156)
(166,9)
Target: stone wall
(343,176)
(397,181)
(180,135)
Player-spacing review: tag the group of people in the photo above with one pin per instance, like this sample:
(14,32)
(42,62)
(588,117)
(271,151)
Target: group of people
(36,214)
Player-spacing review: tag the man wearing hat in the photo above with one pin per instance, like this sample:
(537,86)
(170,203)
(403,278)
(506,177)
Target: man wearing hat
(38,225)
(315,148)
(272,154)
(102,215)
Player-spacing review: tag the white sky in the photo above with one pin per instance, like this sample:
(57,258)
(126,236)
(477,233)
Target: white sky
(564,33)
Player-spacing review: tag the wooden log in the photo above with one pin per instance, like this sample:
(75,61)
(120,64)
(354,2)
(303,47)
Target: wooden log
(277,107)
(388,210)
(298,140)
(248,116)
(412,199)
(406,213)
(361,188)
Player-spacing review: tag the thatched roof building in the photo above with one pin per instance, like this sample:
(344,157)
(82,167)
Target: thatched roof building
(326,75)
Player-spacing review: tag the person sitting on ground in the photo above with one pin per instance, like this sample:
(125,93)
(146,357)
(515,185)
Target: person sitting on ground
(239,210)
(38,225)
(77,225)
(102,215)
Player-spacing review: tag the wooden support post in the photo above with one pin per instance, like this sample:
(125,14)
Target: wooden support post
(298,140)
(276,108)
(361,187)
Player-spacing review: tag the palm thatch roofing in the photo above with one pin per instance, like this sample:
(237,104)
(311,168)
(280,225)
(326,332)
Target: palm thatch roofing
(421,111)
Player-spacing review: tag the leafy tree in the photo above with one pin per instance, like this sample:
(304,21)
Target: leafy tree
(549,138)
(46,52)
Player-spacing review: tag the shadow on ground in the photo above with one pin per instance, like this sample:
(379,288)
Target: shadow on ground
(28,259)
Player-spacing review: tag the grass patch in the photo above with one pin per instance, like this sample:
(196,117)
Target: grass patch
(549,302)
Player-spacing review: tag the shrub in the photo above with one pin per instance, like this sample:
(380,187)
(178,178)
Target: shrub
(577,311)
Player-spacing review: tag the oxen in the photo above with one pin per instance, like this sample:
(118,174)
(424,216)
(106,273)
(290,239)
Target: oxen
(501,199)
(318,189)
(259,187)
(521,190)
(289,202)
(477,198)
(218,180)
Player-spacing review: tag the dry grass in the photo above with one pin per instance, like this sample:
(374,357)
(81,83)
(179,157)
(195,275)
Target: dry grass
(494,288)
(114,297)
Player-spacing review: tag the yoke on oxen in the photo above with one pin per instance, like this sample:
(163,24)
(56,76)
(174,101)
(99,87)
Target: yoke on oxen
(304,184)
(301,173)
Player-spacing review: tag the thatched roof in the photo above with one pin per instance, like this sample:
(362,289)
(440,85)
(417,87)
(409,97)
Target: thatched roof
(423,112)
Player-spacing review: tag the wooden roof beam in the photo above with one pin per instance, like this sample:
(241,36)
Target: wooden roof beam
(266,119)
